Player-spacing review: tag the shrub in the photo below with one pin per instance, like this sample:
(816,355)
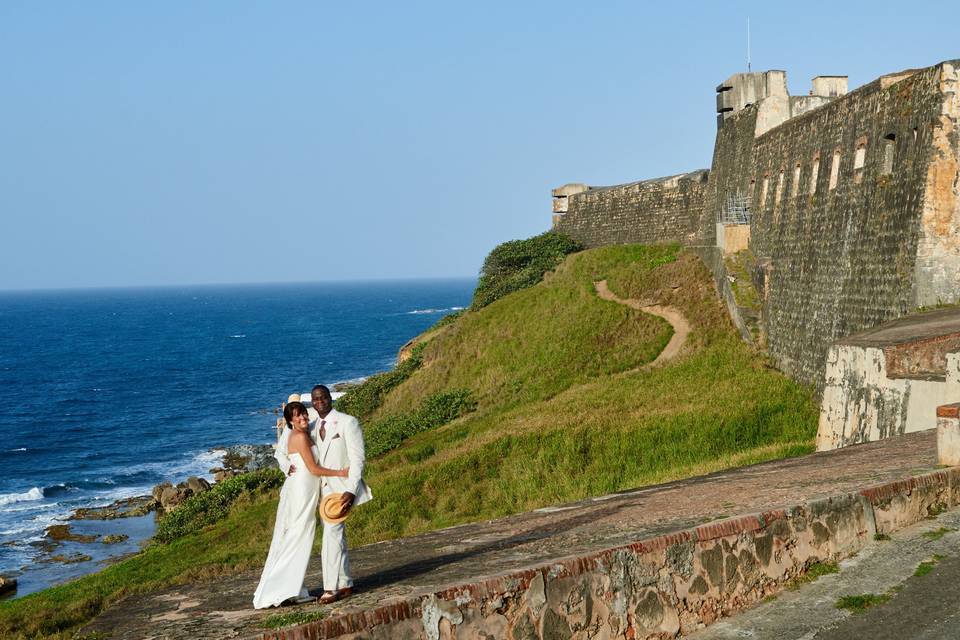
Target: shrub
(205,508)
(519,264)
(437,410)
(362,400)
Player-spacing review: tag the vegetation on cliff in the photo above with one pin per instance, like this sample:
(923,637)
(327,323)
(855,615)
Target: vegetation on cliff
(564,409)
(519,264)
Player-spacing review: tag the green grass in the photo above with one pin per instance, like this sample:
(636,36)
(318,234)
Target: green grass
(936,534)
(881,537)
(814,572)
(539,341)
(927,566)
(860,603)
(279,620)
(739,266)
(565,410)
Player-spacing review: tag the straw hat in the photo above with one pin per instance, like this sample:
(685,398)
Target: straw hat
(329,509)
(293,397)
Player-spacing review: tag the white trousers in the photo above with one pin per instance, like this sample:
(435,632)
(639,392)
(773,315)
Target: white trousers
(334,557)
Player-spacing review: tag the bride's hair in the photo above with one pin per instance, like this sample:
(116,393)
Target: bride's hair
(293,409)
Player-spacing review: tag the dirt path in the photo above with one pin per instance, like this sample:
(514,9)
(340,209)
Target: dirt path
(681,328)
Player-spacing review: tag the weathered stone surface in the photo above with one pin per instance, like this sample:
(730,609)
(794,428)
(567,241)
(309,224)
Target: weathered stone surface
(890,379)
(170,497)
(197,485)
(114,538)
(123,508)
(62,533)
(8,586)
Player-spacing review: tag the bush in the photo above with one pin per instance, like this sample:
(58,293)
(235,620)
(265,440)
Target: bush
(208,507)
(365,398)
(437,410)
(519,264)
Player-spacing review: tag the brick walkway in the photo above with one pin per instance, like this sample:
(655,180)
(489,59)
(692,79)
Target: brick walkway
(427,563)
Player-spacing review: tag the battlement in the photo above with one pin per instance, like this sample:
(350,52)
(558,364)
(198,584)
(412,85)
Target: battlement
(769,88)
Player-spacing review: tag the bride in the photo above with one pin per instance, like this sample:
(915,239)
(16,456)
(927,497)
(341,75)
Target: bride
(286,566)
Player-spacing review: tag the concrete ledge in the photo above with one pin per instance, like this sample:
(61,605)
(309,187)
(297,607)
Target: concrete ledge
(655,587)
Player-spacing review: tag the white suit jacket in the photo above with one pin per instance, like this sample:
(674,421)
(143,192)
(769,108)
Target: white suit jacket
(343,447)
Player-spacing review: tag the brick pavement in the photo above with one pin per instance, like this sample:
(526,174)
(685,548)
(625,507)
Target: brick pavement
(430,562)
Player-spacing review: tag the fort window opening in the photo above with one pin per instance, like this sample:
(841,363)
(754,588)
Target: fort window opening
(834,169)
(859,157)
(763,190)
(814,174)
(889,150)
(776,200)
(796,180)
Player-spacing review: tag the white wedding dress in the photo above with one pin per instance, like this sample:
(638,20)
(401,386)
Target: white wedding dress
(293,533)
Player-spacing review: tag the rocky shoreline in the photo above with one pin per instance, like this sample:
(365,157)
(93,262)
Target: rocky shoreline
(63,545)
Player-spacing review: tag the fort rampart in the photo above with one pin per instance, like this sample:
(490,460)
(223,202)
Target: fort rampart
(850,201)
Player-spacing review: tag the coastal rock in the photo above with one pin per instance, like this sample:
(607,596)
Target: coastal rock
(62,533)
(219,475)
(114,538)
(7,586)
(124,508)
(197,485)
(71,558)
(170,497)
(242,458)
(158,490)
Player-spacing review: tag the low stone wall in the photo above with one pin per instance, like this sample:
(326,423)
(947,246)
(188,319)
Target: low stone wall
(654,588)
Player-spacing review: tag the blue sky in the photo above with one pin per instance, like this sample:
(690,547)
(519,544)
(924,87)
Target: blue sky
(206,142)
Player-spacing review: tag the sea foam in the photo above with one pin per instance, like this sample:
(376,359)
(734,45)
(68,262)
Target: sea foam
(33,494)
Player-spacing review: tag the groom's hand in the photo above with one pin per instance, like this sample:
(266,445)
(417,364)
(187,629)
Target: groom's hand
(346,501)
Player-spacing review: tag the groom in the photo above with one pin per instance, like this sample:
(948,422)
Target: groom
(340,442)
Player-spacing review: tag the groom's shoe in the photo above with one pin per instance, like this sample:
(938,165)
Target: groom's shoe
(329,597)
(344,593)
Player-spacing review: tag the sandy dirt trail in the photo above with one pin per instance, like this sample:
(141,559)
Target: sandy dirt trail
(681,328)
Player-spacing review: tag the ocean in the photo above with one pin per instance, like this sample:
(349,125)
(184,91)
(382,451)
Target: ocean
(105,393)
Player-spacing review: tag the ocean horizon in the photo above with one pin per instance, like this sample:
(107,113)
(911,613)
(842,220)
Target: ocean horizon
(106,392)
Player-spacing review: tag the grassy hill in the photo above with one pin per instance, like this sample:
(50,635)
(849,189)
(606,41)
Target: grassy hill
(564,409)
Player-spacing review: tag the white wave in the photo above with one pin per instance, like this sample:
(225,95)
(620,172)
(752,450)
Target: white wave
(36,525)
(9,498)
(191,464)
(423,311)
(15,450)
(239,335)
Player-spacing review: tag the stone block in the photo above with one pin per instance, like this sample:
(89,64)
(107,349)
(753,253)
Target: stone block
(948,434)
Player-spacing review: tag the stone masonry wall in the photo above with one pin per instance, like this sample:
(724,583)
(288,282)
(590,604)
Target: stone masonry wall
(657,588)
(731,170)
(842,241)
(647,212)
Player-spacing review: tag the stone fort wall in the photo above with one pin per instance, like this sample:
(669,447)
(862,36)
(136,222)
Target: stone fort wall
(854,204)
(838,200)
(648,212)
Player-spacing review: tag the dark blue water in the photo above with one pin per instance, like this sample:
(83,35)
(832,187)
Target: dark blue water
(105,393)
